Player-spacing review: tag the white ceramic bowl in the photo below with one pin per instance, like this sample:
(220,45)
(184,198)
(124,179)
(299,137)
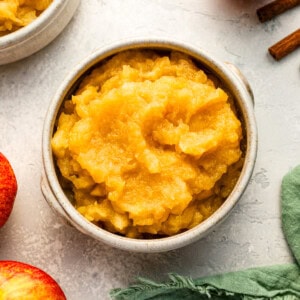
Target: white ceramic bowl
(37,34)
(59,201)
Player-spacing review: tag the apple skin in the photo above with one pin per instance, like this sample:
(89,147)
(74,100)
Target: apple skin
(8,189)
(19,280)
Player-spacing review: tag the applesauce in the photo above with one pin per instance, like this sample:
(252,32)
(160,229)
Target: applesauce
(15,14)
(148,144)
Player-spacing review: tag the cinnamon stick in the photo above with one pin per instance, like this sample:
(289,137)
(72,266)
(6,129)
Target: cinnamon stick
(286,45)
(275,8)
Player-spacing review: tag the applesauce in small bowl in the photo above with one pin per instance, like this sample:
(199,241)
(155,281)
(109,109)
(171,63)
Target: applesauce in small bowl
(148,145)
(28,26)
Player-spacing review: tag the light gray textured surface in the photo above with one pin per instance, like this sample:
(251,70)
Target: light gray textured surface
(229,30)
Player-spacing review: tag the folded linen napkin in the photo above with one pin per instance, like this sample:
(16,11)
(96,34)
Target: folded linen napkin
(279,282)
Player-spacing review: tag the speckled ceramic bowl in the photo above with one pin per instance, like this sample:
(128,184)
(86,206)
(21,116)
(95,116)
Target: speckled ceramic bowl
(39,33)
(231,79)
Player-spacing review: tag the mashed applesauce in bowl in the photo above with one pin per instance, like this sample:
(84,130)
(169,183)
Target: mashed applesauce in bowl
(26,26)
(15,14)
(147,146)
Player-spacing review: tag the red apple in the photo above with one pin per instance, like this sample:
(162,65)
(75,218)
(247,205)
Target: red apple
(22,281)
(8,189)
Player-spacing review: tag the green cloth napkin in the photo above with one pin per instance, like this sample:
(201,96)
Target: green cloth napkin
(279,282)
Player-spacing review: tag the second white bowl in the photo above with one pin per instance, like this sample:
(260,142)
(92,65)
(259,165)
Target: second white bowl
(39,33)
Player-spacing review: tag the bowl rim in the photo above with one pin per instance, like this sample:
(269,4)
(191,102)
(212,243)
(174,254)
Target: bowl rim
(181,239)
(33,28)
